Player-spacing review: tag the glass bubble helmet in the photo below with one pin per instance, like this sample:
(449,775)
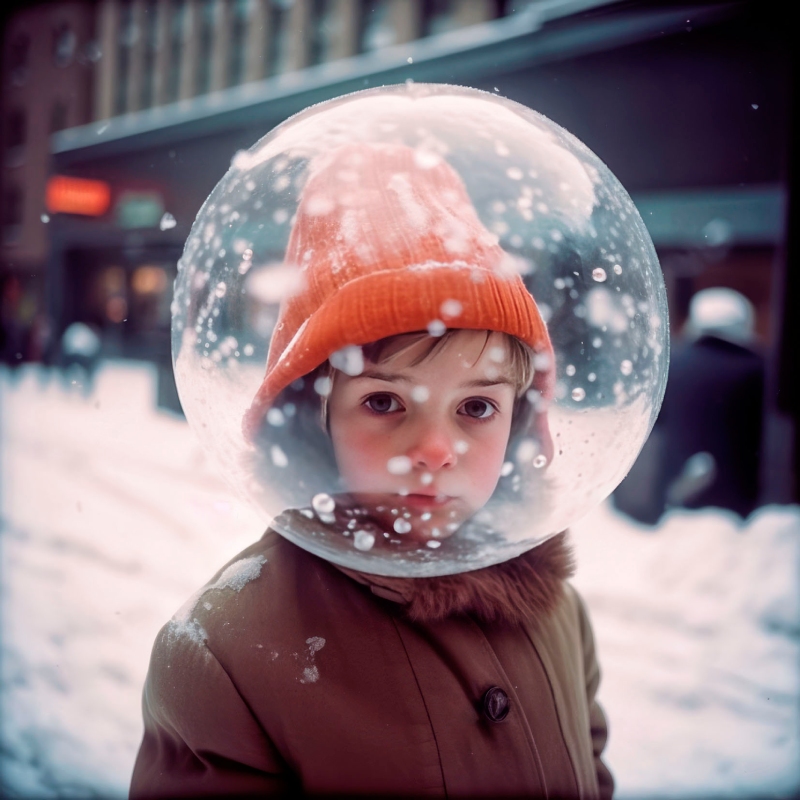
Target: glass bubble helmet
(573,236)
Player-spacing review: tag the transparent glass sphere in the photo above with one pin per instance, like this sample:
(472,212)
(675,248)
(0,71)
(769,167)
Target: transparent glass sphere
(422,327)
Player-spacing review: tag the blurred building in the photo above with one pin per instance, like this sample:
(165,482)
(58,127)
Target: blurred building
(689,105)
(48,58)
(68,64)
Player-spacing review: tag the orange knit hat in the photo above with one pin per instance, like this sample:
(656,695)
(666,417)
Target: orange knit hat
(386,241)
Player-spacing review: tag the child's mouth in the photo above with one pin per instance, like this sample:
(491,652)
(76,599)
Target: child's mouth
(425,501)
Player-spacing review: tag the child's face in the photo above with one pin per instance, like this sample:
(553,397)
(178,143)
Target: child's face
(425,443)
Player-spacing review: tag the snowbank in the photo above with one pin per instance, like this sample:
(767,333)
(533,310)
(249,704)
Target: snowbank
(112,518)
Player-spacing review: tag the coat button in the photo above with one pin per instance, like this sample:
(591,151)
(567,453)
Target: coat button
(495,704)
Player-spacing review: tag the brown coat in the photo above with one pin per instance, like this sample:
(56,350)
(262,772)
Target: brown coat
(287,675)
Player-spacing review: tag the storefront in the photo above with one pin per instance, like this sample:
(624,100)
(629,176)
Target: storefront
(689,107)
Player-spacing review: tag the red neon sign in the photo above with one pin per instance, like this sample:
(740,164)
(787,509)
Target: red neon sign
(68,195)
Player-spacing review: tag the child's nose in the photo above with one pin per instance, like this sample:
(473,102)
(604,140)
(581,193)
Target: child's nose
(432,449)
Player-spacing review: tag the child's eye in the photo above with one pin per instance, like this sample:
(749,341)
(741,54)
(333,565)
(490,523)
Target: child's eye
(383,403)
(477,408)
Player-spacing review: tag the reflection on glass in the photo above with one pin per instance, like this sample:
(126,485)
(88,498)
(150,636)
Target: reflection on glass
(422,327)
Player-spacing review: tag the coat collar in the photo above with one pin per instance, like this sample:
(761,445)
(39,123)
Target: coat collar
(523,589)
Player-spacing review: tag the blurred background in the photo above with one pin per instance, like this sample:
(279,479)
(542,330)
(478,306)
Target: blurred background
(118,117)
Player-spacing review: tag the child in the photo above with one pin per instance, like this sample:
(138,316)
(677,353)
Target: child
(414,357)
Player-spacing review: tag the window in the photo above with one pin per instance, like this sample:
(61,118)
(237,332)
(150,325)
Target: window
(238,50)
(439,17)
(150,297)
(58,116)
(110,291)
(207,20)
(18,58)
(279,45)
(128,33)
(151,47)
(16,130)
(176,47)
(63,45)
(13,200)
(324,27)
(377,30)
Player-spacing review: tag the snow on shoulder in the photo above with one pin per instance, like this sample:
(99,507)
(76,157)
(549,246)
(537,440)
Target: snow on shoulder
(236,576)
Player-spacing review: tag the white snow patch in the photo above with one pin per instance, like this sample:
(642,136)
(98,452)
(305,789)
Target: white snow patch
(310,675)
(311,671)
(235,577)
(188,628)
(696,620)
(315,644)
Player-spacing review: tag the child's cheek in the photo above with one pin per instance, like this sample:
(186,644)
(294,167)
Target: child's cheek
(484,476)
(361,458)
(485,460)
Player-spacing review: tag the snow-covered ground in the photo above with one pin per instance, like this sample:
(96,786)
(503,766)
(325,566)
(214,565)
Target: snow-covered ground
(112,517)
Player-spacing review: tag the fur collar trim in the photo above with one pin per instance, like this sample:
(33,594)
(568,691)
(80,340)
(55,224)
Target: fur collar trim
(525,588)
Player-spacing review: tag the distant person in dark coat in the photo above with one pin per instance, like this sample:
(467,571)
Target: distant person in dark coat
(712,413)
(705,448)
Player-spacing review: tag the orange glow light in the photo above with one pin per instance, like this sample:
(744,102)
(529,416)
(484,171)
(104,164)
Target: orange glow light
(149,280)
(68,195)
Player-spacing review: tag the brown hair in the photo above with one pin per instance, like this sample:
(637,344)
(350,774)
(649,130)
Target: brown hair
(520,355)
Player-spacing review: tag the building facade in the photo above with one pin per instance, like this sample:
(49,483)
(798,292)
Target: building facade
(690,106)
(68,64)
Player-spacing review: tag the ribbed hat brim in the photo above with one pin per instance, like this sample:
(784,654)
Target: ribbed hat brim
(390,302)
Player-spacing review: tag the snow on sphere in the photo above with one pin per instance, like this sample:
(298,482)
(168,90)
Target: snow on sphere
(402,525)
(275,416)
(451,308)
(349,360)
(363,540)
(399,465)
(474,173)
(420,394)
(323,503)
(278,456)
